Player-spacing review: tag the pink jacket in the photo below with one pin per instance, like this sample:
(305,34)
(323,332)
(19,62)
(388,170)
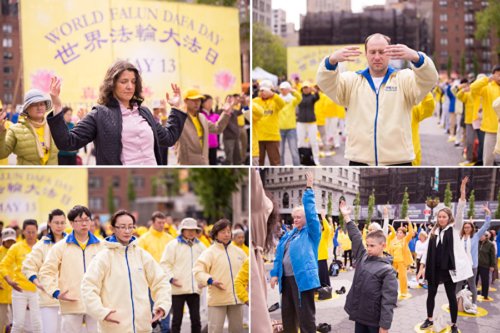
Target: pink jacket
(213,141)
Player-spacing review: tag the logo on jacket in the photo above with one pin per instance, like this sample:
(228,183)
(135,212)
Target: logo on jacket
(391,88)
(268,112)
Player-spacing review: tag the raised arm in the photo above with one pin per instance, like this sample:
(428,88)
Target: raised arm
(459,218)
(309,202)
(385,227)
(358,249)
(486,224)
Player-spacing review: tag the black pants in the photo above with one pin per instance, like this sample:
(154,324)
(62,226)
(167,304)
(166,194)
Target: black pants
(353,163)
(324,277)
(484,273)
(347,253)
(450,288)
(295,313)
(360,328)
(212,156)
(66,160)
(335,252)
(193,302)
(480,138)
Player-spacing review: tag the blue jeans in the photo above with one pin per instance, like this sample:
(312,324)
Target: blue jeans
(290,135)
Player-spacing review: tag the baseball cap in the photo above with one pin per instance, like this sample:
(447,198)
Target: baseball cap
(266,85)
(285,85)
(306,84)
(9,234)
(193,94)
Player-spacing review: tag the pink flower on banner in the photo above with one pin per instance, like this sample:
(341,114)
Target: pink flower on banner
(294,76)
(147,92)
(224,80)
(41,79)
(89,93)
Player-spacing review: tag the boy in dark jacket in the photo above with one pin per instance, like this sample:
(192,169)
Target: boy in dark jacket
(372,298)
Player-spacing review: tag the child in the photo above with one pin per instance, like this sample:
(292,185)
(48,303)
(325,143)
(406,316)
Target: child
(371,301)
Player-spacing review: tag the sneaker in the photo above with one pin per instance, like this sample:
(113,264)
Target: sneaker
(274,307)
(454,329)
(472,310)
(451,139)
(464,163)
(427,324)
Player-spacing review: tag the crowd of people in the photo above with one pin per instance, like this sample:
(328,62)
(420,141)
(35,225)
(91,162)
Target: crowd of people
(120,130)
(121,277)
(450,251)
(309,121)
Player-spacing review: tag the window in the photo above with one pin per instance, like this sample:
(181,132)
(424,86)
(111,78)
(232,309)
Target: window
(95,204)
(8,70)
(444,54)
(340,172)
(444,41)
(117,202)
(8,55)
(7,98)
(443,3)
(116,182)
(443,28)
(138,182)
(95,182)
(485,42)
(340,183)
(443,17)
(7,42)
(8,84)
(7,28)
(469,41)
(469,17)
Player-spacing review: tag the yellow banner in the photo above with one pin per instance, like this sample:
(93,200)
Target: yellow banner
(191,45)
(33,193)
(303,61)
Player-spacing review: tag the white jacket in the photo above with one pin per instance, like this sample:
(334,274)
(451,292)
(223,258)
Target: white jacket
(379,124)
(32,264)
(220,263)
(463,267)
(118,279)
(63,270)
(178,261)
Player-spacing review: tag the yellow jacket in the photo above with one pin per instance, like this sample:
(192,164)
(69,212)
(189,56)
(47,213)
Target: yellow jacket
(420,112)
(466,98)
(375,123)
(154,242)
(319,110)
(257,114)
(205,240)
(268,126)
(6,289)
(119,278)
(178,261)
(243,247)
(13,261)
(220,263)
(171,230)
(332,110)
(399,248)
(64,267)
(489,91)
(325,241)
(344,241)
(287,115)
(241,283)
(496,108)
(33,263)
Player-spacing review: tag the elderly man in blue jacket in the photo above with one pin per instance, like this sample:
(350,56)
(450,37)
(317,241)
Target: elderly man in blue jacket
(296,266)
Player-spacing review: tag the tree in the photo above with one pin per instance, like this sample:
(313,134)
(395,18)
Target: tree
(111,200)
(472,199)
(497,212)
(357,207)
(371,204)
(449,66)
(214,188)
(447,196)
(269,51)
(154,186)
(329,207)
(404,204)
(487,21)
(131,195)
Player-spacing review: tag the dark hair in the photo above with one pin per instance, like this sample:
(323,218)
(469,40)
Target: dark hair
(473,231)
(218,226)
(29,222)
(158,215)
(1,222)
(496,69)
(403,229)
(55,212)
(388,39)
(78,211)
(450,219)
(464,80)
(113,73)
(119,213)
(66,109)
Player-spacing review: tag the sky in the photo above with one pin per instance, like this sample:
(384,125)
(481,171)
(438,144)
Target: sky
(300,6)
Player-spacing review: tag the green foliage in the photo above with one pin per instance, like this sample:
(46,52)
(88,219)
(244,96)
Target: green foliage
(404,204)
(357,207)
(487,21)
(131,194)
(269,51)
(447,196)
(472,200)
(371,205)
(214,188)
(111,201)
(462,64)
(227,3)
(329,207)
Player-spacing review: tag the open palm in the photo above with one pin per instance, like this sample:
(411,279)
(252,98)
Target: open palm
(175,100)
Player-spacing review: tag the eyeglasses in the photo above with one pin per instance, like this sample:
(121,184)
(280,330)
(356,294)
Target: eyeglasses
(87,220)
(125,227)
(58,223)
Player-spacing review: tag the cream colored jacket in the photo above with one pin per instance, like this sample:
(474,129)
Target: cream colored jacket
(378,124)
(220,263)
(33,263)
(63,270)
(178,261)
(118,279)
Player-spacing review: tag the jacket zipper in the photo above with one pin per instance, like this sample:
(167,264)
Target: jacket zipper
(131,292)
(192,281)
(84,266)
(231,271)
(375,131)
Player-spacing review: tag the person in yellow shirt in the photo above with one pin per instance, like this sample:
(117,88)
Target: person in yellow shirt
(345,244)
(401,254)
(496,107)
(288,122)
(8,239)
(422,111)
(320,113)
(241,283)
(170,227)
(326,238)
(268,125)
(464,96)
(239,240)
(24,293)
(489,90)
(257,114)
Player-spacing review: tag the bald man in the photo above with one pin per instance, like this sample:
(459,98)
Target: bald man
(378,99)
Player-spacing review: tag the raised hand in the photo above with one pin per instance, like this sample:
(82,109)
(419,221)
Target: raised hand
(386,211)
(463,187)
(487,211)
(55,91)
(309,179)
(349,53)
(228,104)
(159,313)
(176,100)
(345,209)
(110,319)
(401,51)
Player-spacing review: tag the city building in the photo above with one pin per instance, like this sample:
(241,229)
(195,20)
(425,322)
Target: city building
(11,75)
(279,22)
(317,6)
(288,184)
(262,12)
(455,46)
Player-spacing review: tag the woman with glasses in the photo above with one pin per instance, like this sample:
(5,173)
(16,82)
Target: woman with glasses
(23,291)
(49,306)
(115,286)
(62,272)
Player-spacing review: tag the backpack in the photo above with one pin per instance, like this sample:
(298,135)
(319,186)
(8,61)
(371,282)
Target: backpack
(334,269)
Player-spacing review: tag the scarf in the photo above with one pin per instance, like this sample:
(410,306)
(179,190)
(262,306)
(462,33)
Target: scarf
(44,147)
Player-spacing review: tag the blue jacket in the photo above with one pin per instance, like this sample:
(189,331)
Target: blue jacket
(303,248)
(474,250)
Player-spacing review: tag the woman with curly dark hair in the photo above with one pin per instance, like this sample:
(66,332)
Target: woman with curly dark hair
(123,131)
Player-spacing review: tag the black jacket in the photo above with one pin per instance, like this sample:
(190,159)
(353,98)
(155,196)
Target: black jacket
(487,255)
(103,126)
(306,108)
(374,291)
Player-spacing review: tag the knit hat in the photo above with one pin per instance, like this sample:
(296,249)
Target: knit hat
(35,96)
